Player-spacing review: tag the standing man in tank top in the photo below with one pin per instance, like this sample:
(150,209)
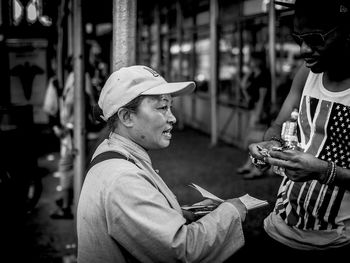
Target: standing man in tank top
(311,217)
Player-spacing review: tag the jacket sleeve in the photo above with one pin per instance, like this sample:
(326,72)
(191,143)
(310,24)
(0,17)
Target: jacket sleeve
(140,218)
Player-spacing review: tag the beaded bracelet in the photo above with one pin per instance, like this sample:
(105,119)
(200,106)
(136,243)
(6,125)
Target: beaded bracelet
(330,174)
(274,138)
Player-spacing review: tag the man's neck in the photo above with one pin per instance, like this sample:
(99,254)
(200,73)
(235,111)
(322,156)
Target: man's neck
(336,81)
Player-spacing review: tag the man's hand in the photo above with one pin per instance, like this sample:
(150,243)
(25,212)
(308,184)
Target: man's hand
(206,202)
(240,207)
(189,216)
(198,210)
(299,166)
(258,152)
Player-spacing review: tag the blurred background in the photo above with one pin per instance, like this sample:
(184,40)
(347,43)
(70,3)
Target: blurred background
(209,41)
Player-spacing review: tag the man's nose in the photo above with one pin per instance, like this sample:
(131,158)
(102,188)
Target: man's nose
(171,117)
(305,48)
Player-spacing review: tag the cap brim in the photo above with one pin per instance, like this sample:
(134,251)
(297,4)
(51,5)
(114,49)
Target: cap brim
(172,88)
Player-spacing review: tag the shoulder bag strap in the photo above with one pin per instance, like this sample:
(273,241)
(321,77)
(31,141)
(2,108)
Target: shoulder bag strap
(106,156)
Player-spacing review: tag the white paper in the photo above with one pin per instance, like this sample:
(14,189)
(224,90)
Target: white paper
(206,194)
(252,202)
(249,201)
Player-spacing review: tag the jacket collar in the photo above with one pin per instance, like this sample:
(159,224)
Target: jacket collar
(130,146)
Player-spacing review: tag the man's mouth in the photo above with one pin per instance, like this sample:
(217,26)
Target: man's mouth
(310,62)
(167,132)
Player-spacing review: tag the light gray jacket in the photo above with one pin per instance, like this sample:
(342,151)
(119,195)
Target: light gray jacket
(126,213)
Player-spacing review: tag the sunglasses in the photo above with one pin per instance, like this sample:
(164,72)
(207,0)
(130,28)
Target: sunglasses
(312,39)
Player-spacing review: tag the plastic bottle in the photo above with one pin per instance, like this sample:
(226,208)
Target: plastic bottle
(289,134)
(289,131)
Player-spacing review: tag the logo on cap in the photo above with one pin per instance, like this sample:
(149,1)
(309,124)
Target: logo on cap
(153,72)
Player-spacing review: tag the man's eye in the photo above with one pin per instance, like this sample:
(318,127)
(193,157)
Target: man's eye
(164,108)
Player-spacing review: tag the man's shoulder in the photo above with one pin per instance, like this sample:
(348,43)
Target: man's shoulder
(300,78)
(302,74)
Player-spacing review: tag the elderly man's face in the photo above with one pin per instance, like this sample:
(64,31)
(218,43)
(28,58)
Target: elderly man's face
(153,122)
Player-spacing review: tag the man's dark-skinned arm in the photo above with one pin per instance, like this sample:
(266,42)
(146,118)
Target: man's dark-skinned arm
(292,101)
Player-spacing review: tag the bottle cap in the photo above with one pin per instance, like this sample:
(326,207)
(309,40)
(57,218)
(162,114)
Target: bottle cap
(294,115)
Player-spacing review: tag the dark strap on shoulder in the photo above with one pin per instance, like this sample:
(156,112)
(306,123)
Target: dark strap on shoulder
(106,156)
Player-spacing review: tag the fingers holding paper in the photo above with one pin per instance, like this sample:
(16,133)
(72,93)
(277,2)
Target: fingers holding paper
(207,202)
(210,203)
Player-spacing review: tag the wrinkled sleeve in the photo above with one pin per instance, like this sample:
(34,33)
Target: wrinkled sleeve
(142,221)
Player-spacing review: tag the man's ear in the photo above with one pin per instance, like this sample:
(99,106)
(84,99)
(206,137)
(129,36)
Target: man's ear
(125,117)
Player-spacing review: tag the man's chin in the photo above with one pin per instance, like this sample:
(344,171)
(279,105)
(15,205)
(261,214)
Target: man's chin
(316,69)
(161,145)
(166,144)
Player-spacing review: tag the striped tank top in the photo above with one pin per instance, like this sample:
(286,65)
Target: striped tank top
(311,215)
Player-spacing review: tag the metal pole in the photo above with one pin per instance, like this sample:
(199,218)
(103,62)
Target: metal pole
(272,50)
(193,60)
(124,33)
(158,54)
(179,77)
(214,10)
(167,66)
(59,55)
(240,28)
(79,102)
(71,30)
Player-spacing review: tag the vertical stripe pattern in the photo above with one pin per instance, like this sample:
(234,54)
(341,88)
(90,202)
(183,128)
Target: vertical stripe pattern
(324,129)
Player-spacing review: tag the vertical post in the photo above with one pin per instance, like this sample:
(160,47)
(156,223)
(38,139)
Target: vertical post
(213,69)
(272,50)
(139,40)
(124,33)
(179,38)
(158,51)
(70,25)
(193,64)
(239,129)
(149,44)
(166,46)
(79,101)
(5,92)
(240,56)
(60,44)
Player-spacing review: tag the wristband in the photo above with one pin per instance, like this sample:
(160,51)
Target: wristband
(330,174)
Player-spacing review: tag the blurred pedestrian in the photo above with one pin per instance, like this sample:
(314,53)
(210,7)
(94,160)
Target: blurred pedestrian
(65,132)
(256,91)
(52,95)
(98,73)
(311,217)
(51,104)
(65,171)
(126,212)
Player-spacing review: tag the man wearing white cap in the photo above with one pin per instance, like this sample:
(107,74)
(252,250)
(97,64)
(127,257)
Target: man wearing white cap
(126,212)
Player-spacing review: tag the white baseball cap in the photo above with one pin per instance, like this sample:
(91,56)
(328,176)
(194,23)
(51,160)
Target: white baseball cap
(127,83)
